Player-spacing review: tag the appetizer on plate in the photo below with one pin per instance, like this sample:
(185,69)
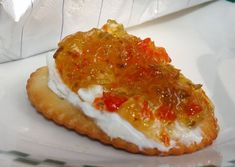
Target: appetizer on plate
(123,91)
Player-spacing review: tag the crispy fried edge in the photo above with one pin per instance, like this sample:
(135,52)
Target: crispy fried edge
(65,114)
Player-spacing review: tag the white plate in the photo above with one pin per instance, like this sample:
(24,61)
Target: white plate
(28,139)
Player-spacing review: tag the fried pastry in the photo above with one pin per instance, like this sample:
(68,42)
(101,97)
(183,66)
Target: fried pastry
(123,91)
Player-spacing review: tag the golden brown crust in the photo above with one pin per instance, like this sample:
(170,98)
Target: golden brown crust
(63,113)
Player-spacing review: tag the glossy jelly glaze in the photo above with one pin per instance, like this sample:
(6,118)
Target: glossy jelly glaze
(139,83)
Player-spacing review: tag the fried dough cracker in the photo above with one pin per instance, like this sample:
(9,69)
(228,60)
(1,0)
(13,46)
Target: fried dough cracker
(63,113)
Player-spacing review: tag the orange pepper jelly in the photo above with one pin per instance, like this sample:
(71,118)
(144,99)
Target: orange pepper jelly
(138,81)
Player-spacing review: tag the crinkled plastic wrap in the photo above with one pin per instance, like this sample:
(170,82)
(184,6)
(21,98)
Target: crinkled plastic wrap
(30,27)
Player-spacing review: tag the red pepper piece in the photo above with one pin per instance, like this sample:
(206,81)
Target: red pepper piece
(165,113)
(145,44)
(113,102)
(149,48)
(192,109)
(109,102)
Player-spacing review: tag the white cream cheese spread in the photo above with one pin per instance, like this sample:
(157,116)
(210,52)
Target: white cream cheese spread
(111,123)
